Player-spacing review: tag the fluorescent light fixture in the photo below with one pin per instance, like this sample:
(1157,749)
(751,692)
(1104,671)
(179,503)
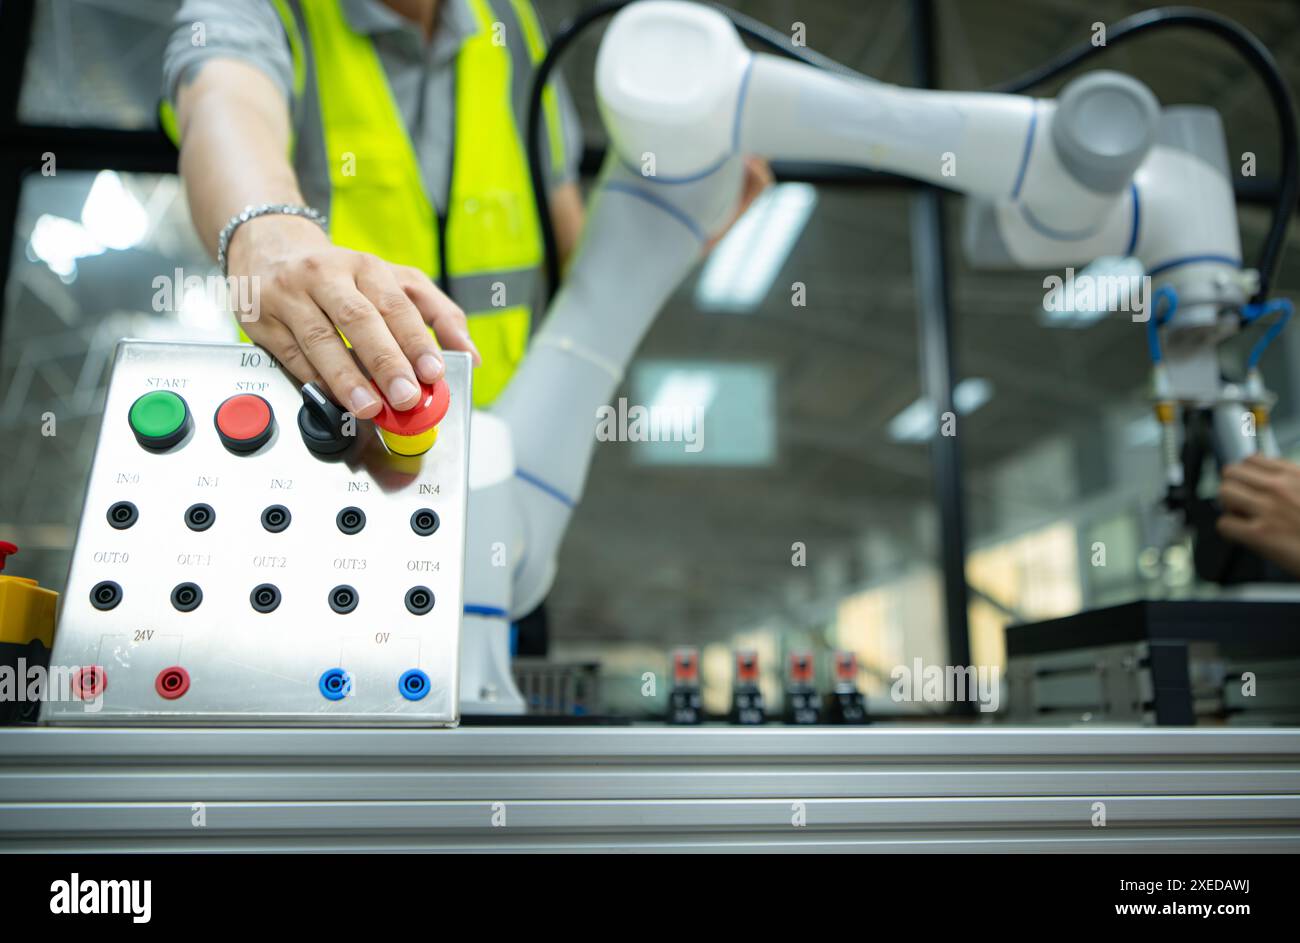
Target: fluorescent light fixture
(112,215)
(970,394)
(1142,432)
(1106,285)
(916,423)
(742,267)
(111,218)
(685,393)
(705,413)
(919,421)
(59,242)
(199,309)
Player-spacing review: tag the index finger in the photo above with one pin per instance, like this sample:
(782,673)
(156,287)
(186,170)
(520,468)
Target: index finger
(378,283)
(1264,463)
(1240,499)
(448,321)
(1235,528)
(1250,474)
(357,319)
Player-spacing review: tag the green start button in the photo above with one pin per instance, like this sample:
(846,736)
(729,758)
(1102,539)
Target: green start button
(159,419)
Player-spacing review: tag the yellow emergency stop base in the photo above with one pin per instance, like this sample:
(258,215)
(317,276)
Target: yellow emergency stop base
(26,611)
(409,445)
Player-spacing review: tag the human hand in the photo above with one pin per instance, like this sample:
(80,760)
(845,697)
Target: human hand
(309,290)
(758,177)
(1261,508)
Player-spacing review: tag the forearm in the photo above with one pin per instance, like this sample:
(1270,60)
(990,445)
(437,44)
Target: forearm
(235,134)
(567,218)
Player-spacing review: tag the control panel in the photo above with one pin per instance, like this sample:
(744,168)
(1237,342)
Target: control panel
(249,553)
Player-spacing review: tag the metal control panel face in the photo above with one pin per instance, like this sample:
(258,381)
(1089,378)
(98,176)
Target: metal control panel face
(226,573)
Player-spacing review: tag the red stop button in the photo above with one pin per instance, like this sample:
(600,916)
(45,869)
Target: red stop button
(245,422)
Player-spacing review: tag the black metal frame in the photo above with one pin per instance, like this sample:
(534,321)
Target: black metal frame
(15,35)
(22,149)
(936,344)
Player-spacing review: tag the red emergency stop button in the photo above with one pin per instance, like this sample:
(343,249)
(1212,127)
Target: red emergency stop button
(413,431)
(245,422)
(6,548)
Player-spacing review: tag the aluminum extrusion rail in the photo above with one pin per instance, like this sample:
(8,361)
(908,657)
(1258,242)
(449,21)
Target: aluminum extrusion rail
(650,788)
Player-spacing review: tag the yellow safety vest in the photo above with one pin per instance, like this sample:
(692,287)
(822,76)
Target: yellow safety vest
(492,246)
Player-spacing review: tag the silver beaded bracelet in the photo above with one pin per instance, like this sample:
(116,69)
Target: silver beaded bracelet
(263,209)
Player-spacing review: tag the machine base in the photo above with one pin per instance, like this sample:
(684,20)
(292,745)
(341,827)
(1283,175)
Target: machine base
(1164,662)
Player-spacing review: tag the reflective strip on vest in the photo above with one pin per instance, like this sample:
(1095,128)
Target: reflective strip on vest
(527,18)
(492,227)
(499,324)
(492,293)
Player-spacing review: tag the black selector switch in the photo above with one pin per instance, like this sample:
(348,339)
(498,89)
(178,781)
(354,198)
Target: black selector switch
(321,422)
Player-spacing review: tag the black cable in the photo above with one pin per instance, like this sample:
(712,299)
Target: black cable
(779,43)
(1261,61)
(561,41)
(762,34)
(1241,39)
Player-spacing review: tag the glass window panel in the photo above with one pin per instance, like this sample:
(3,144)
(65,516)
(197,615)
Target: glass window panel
(828,542)
(96,63)
(97,257)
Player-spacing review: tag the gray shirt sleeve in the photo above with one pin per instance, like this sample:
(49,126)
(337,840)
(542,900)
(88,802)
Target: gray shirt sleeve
(249,30)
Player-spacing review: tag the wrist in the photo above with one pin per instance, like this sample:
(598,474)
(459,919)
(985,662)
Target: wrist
(270,237)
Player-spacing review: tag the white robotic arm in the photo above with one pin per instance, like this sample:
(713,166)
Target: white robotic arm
(1100,171)
(678,90)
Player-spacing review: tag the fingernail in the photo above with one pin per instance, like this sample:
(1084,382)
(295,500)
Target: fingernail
(361,400)
(400,390)
(429,367)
